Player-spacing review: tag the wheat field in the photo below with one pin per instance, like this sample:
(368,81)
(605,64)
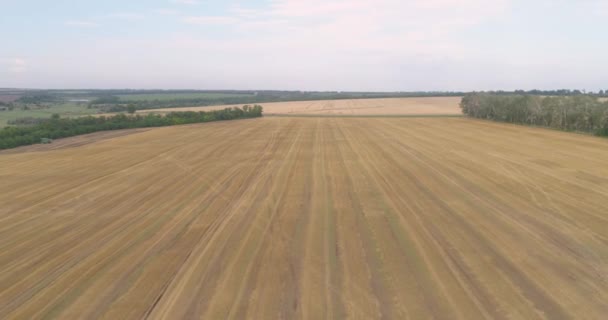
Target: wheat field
(308,218)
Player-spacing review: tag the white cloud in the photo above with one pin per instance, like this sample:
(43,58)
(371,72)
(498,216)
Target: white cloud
(186,2)
(601,8)
(339,44)
(17,65)
(419,9)
(81,23)
(363,43)
(210,20)
(388,15)
(166,12)
(390,28)
(126,16)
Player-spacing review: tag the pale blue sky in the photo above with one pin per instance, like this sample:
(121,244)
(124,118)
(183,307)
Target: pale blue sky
(376,45)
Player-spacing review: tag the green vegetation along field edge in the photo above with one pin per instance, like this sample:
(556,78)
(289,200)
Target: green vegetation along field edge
(25,113)
(579,113)
(56,127)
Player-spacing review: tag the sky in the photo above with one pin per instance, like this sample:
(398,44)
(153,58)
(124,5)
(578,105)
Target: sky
(326,45)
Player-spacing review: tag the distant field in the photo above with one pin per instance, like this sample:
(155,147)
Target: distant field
(386,106)
(64,109)
(308,218)
(178,96)
(8,97)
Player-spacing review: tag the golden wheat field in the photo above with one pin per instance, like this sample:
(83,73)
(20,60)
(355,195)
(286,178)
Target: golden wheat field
(308,218)
(386,106)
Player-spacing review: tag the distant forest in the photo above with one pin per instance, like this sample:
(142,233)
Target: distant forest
(581,113)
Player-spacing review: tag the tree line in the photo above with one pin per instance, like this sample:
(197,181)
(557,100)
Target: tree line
(582,113)
(559,92)
(56,127)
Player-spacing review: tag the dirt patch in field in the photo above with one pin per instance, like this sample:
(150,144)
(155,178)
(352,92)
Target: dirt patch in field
(7,98)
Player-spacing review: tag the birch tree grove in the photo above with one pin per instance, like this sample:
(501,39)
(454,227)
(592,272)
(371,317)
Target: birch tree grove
(580,113)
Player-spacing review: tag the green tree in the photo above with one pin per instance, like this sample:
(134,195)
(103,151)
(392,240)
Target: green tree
(583,113)
(131,109)
(32,130)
